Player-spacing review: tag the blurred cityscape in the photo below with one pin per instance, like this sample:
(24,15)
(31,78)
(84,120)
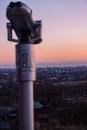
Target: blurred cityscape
(60,99)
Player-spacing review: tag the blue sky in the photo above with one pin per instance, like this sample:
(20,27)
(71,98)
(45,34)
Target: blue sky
(64,31)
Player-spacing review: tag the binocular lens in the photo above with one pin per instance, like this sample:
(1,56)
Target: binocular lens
(12,4)
(18,4)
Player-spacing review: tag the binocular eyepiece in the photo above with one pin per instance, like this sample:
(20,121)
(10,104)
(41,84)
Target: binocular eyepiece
(17,4)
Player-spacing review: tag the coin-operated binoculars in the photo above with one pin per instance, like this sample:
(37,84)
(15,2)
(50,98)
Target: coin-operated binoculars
(28,33)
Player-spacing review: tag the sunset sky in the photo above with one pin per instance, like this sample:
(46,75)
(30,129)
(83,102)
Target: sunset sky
(64,32)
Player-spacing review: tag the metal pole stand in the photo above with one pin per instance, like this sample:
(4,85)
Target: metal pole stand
(26,74)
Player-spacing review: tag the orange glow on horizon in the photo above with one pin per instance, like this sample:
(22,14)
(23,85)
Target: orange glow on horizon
(57,55)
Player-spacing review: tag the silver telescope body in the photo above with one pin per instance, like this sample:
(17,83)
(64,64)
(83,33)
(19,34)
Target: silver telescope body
(20,17)
(28,33)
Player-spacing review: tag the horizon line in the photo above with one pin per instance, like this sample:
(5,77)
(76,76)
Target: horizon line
(56,64)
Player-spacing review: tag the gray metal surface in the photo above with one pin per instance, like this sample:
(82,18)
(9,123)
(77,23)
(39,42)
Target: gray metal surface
(26,106)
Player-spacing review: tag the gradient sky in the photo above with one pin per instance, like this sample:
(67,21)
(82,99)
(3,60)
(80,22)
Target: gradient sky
(64,31)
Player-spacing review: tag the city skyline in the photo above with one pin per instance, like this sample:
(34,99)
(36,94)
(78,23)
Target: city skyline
(64,32)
